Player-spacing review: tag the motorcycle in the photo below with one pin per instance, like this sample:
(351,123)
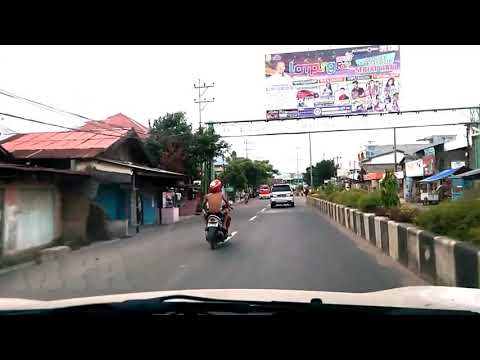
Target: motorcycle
(215,232)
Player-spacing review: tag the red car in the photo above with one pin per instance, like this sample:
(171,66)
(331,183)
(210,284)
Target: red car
(305,94)
(264,192)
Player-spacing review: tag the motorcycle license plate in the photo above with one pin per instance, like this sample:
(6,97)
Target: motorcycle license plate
(212,225)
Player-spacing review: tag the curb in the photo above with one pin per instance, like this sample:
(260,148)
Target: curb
(436,259)
(16,267)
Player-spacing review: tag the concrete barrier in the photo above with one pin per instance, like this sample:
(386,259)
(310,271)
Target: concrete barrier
(437,259)
(402,243)
(378,234)
(384,244)
(367,218)
(426,252)
(444,261)
(413,243)
(347,217)
(393,239)
(466,265)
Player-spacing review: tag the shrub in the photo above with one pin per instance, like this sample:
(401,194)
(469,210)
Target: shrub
(370,201)
(457,219)
(349,198)
(403,214)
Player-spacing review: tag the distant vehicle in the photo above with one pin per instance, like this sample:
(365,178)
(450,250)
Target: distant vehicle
(307,94)
(282,195)
(264,192)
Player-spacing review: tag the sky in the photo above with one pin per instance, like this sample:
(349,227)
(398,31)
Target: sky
(145,82)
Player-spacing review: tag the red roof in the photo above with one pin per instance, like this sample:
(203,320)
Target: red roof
(373,176)
(65,144)
(124,122)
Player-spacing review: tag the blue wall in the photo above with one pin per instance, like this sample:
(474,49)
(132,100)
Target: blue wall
(114,200)
(149,209)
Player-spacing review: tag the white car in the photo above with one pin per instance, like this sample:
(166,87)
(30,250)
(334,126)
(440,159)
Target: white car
(282,194)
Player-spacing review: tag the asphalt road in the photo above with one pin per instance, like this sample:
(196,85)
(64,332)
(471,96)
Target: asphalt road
(281,248)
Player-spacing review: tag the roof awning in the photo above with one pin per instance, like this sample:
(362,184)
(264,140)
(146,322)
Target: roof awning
(443,174)
(473,174)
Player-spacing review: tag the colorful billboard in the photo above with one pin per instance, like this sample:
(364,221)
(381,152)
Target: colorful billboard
(332,82)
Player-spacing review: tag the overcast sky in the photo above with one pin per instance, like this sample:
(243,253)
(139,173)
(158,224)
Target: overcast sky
(145,82)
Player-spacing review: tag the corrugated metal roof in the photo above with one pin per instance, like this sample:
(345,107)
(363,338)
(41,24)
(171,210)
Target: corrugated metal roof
(40,169)
(122,121)
(64,144)
(140,167)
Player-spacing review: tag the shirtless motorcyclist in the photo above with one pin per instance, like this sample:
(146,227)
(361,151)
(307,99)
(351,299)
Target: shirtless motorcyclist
(217,204)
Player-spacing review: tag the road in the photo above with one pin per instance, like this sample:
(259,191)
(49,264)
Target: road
(281,248)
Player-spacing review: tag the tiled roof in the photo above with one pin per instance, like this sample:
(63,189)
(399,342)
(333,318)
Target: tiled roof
(65,144)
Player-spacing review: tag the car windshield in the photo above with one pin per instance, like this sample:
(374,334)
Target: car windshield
(277,188)
(136,169)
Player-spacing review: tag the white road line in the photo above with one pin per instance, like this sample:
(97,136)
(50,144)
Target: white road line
(231,236)
(263,209)
(252,218)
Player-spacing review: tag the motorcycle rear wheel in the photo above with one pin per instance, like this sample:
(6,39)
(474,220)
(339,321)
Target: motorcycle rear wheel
(212,237)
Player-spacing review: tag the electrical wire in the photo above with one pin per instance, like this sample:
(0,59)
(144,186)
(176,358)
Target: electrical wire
(38,103)
(61,126)
(352,129)
(419,111)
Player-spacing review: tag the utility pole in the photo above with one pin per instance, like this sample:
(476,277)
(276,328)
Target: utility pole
(395,148)
(202,103)
(310,148)
(199,101)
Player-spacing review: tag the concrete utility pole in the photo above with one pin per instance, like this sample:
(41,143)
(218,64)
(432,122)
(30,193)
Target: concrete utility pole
(395,148)
(199,101)
(310,148)
(202,103)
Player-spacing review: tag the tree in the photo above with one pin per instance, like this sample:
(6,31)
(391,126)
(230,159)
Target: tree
(175,147)
(389,190)
(322,171)
(242,173)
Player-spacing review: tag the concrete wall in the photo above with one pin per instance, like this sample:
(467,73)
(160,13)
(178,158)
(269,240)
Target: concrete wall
(437,259)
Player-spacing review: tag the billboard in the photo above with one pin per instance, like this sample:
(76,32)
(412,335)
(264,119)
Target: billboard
(428,165)
(332,82)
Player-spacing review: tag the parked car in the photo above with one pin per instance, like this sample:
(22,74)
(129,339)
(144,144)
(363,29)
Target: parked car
(282,195)
(306,94)
(264,192)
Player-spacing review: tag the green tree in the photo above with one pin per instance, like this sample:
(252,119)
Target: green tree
(389,190)
(250,173)
(322,171)
(175,147)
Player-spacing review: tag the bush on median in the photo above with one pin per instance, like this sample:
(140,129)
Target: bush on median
(456,219)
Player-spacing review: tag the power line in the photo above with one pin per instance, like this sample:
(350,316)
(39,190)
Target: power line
(353,129)
(61,126)
(38,103)
(344,115)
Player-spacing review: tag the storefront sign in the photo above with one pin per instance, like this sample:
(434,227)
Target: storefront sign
(456,164)
(414,168)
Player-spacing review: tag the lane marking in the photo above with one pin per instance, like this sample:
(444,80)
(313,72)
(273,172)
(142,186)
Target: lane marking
(231,236)
(252,218)
(263,209)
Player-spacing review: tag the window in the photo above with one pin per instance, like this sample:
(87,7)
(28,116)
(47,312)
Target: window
(281,188)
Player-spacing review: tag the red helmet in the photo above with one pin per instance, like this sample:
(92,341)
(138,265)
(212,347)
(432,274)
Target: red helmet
(215,186)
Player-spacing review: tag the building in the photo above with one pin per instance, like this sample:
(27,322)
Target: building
(40,205)
(122,180)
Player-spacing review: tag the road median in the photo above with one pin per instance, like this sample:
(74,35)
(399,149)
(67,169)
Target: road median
(436,259)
